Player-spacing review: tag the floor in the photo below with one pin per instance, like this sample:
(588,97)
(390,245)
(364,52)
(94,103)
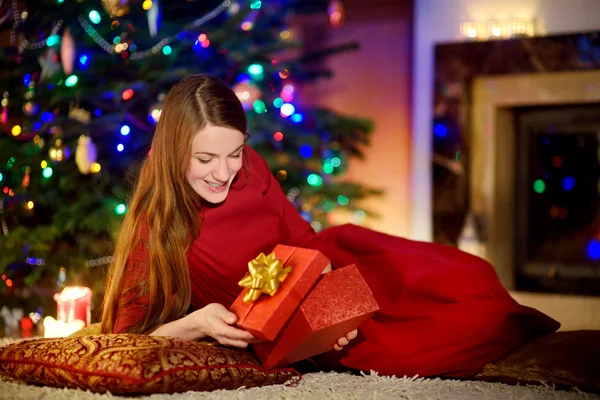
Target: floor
(573,312)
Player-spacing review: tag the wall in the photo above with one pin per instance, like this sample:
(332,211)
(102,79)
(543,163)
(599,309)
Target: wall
(375,82)
(438,21)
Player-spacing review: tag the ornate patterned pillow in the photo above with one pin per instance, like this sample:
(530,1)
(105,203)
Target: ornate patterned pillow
(134,364)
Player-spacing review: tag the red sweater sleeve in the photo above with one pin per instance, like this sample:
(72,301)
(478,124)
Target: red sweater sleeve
(132,306)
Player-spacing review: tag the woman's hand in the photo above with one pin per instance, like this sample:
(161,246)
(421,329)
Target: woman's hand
(345,340)
(216,321)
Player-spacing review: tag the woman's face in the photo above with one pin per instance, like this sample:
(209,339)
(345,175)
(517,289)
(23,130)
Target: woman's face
(216,159)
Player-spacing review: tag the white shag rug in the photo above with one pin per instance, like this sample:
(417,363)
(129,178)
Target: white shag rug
(324,386)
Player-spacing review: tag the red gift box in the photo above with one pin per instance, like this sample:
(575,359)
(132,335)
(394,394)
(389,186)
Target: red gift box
(266,316)
(337,305)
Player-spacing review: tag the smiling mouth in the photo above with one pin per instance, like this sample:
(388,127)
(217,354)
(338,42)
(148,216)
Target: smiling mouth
(214,185)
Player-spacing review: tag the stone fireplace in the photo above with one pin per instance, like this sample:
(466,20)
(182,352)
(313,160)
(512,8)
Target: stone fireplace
(481,89)
(494,146)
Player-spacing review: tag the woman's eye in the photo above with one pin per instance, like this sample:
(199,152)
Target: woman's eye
(203,161)
(238,155)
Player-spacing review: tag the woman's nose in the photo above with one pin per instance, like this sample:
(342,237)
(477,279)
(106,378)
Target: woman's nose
(221,172)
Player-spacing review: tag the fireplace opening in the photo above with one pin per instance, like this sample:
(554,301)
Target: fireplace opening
(557,199)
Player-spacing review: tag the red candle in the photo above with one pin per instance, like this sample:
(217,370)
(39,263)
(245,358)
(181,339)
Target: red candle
(74,303)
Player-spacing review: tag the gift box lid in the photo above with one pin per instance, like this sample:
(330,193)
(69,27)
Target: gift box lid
(266,316)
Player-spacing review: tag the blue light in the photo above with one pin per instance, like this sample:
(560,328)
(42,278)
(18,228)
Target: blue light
(97,112)
(47,117)
(36,126)
(440,130)
(120,147)
(50,86)
(125,130)
(328,154)
(306,216)
(568,183)
(593,249)
(297,118)
(243,78)
(306,151)
(83,60)
(26,79)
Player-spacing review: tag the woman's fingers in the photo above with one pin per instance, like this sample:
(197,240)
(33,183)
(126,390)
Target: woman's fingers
(345,340)
(234,333)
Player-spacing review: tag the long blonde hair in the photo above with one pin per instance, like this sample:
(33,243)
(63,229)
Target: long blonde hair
(165,204)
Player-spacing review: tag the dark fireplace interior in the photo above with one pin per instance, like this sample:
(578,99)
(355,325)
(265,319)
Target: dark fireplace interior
(557,199)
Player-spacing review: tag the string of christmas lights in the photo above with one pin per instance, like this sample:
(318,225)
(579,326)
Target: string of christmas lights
(23,42)
(101,41)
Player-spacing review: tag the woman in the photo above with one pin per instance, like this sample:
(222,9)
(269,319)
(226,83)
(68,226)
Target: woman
(206,204)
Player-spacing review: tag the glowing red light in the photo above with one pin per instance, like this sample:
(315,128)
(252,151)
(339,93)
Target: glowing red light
(127,94)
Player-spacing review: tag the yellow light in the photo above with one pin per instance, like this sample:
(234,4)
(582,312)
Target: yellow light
(485,30)
(16,130)
(147,4)
(30,205)
(284,34)
(247,25)
(96,168)
(118,47)
(202,37)
(44,164)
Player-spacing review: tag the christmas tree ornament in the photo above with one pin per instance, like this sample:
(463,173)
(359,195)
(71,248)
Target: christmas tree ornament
(153,17)
(247,93)
(116,8)
(85,154)
(49,64)
(336,13)
(80,115)
(67,52)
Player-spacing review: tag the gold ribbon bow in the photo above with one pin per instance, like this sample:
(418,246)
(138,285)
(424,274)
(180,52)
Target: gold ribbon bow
(265,276)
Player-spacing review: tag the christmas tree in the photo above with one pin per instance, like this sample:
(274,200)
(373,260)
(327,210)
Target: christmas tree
(82,87)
